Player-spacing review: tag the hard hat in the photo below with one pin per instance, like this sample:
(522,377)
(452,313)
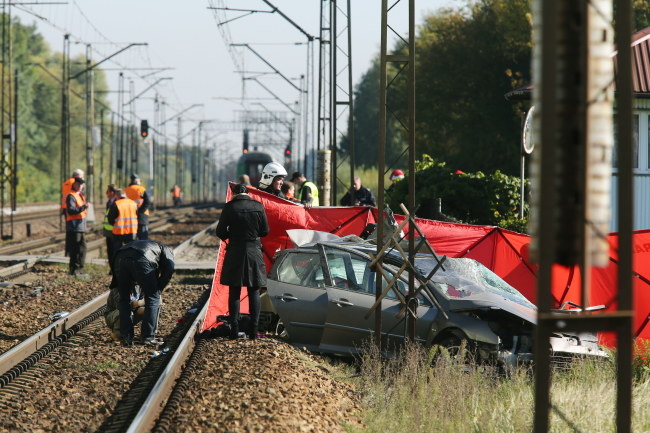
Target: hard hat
(396,174)
(78,173)
(269,172)
(134,176)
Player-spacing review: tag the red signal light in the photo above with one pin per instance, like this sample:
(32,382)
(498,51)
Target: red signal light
(144,128)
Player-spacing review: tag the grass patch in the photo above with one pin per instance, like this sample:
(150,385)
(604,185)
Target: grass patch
(103,366)
(410,395)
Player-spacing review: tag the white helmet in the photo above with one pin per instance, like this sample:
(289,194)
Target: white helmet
(269,172)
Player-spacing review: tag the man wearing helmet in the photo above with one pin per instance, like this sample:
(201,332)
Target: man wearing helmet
(272,179)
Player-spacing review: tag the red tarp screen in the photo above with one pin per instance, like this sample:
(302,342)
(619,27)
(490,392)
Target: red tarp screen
(503,251)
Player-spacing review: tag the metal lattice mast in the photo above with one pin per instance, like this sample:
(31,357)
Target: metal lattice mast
(573,128)
(324,87)
(342,91)
(405,62)
(8,152)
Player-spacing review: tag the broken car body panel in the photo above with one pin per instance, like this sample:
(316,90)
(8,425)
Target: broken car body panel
(323,290)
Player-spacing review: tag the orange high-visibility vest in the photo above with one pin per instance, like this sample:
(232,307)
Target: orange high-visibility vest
(126,222)
(66,189)
(80,202)
(176,192)
(135,192)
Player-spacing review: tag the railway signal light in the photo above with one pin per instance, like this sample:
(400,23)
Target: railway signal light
(144,128)
(245,146)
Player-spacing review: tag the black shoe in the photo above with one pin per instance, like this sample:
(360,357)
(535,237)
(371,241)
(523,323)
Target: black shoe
(252,334)
(152,342)
(234,332)
(126,342)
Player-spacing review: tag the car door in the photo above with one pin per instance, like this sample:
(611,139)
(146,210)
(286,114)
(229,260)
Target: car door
(350,294)
(299,297)
(348,300)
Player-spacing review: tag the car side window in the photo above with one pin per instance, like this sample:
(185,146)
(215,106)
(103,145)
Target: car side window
(301,269)
(370,282)
(401,284)
(346,270)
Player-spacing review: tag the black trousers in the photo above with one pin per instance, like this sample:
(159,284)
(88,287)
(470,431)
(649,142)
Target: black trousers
(118,241)
(143,232)
(109,251)
(234,294)
(129,271)
(76,249)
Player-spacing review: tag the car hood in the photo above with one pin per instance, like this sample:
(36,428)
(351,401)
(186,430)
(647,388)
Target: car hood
(494,302)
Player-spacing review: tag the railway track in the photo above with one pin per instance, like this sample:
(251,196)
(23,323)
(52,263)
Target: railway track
(140,407)
(49,214)
(87,383)
(95,240)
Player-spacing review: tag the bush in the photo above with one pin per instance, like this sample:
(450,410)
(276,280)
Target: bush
(471,198)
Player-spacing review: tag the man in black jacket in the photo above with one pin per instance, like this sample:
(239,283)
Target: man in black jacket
(151,265)
(243,222)
(358,195)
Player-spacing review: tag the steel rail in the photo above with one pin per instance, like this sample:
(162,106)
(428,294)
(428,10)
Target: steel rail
(26,354)
(155,402)
(36,244)
(32,216)
(22,351)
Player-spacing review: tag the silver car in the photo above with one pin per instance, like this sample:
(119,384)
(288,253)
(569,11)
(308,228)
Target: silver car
(323,290)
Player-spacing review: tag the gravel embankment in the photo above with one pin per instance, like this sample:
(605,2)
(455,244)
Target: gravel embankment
(241,386)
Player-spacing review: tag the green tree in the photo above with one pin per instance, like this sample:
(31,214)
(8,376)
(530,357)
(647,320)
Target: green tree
(366,124)
(466,61)
(38,73)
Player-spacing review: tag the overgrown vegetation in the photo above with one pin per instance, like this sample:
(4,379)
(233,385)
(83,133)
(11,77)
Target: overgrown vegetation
(467,58)
(472,198)
(39,77)
(410,395)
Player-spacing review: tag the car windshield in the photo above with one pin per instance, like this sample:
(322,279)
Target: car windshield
(467,278)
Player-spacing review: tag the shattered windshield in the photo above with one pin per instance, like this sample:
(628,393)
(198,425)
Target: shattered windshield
(467,278)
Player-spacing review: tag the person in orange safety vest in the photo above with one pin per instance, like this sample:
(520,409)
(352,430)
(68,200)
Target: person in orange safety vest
(67,185)
(75,227)
(140,196)
(123,216)
(177,195)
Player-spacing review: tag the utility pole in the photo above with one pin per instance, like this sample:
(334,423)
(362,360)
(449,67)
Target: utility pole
(179,155)
(133,138)
(90,120)
(65,110)
(119,163)
(89,104)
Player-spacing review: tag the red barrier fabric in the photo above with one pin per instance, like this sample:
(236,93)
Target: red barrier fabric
(502,251)
(282,216)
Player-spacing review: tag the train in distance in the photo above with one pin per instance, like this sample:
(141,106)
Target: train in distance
(252,163)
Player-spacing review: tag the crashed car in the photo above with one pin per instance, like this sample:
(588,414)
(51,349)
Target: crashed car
(322,291)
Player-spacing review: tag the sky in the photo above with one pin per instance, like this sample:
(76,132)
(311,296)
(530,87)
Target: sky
(188,62)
